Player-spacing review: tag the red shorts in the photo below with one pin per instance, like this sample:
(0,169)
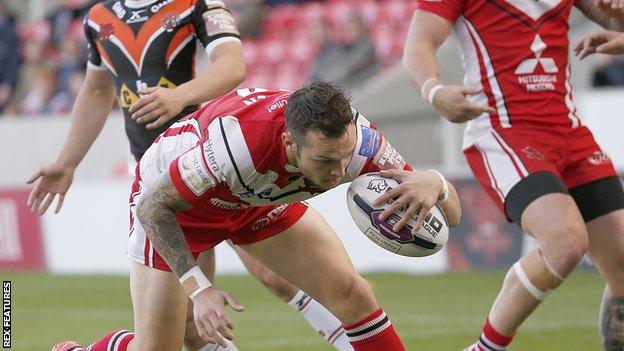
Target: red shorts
(242,226)
(501,159)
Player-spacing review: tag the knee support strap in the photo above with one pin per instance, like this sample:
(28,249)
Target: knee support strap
(526,282)
(531,288)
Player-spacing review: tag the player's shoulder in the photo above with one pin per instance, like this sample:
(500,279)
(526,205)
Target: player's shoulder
(256,104)
(104,5)
(254,117)
(261,113)
(104,10)
(250,110)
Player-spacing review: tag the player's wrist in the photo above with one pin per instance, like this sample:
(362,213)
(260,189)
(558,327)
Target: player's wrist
(68,166)
(445,193)
(430,88)
(194,281)
(179,97)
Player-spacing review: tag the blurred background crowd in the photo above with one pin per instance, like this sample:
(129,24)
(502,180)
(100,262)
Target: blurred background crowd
(287,43)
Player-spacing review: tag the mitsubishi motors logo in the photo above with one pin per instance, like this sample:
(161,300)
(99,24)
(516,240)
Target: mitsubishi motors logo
(527,68)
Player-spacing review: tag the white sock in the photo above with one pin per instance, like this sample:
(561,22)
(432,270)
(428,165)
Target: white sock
(217,347)
(328,326)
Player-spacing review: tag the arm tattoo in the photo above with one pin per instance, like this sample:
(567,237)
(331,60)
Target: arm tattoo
(594,13)
(157,215)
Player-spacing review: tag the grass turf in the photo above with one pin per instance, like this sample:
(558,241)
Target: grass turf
(431,312)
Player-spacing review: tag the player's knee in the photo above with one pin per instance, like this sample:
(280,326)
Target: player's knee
(570,247)
(357,296)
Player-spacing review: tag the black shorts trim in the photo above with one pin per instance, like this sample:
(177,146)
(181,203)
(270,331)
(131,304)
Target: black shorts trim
(599,197)
(528,190)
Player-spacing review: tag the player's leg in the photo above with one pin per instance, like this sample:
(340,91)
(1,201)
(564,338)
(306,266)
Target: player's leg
(328,326)
(554,220)
(159,309)
(159,313)
(606,248)
(597,190)
(602,205)
(310,255)
(192,340)
(528,189)
(556,223)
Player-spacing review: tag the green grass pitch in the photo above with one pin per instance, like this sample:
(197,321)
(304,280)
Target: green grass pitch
(431,312)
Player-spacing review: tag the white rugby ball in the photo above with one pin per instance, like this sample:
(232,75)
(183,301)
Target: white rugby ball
(429,238)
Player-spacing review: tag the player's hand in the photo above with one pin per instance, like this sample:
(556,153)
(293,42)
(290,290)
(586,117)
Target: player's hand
(156,106)
(56,179)
(450,101)
(605,42)
(209,310)
(418,192)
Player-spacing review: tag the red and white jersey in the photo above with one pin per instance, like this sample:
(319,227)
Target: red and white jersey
(517,50)
(230,154)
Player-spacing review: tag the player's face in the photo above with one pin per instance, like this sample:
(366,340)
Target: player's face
(323,161)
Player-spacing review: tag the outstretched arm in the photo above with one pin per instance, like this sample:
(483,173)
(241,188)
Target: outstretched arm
(157,213)
(94,103)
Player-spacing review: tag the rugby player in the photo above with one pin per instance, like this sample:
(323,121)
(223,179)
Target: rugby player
(143,52)
(527,146)
(263,152)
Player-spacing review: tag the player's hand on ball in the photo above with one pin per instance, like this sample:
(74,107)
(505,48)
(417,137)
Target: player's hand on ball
(605,42)
(450,101)
(418,192)
(209,310)
(55,180)
(156,106)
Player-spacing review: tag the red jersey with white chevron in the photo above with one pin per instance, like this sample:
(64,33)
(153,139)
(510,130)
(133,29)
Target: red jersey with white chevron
(518,51)
(230,154)
(228,160)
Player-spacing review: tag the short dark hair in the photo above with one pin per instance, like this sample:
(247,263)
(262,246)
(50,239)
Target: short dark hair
(319,106)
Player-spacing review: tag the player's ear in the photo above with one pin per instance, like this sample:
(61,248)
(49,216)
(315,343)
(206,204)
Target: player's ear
(288,141)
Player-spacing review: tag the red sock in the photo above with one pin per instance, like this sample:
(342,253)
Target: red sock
(374,333)
(115,341)
(491,340)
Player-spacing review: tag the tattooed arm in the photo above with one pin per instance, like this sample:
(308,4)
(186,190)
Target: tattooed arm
(603,13)
(157,215)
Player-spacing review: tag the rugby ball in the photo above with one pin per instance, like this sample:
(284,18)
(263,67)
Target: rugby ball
(429,238)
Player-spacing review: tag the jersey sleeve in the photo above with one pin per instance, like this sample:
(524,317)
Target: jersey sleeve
(95,60)
(218,163)
(373,152)
(448,9)
(191,177)
(214,24)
